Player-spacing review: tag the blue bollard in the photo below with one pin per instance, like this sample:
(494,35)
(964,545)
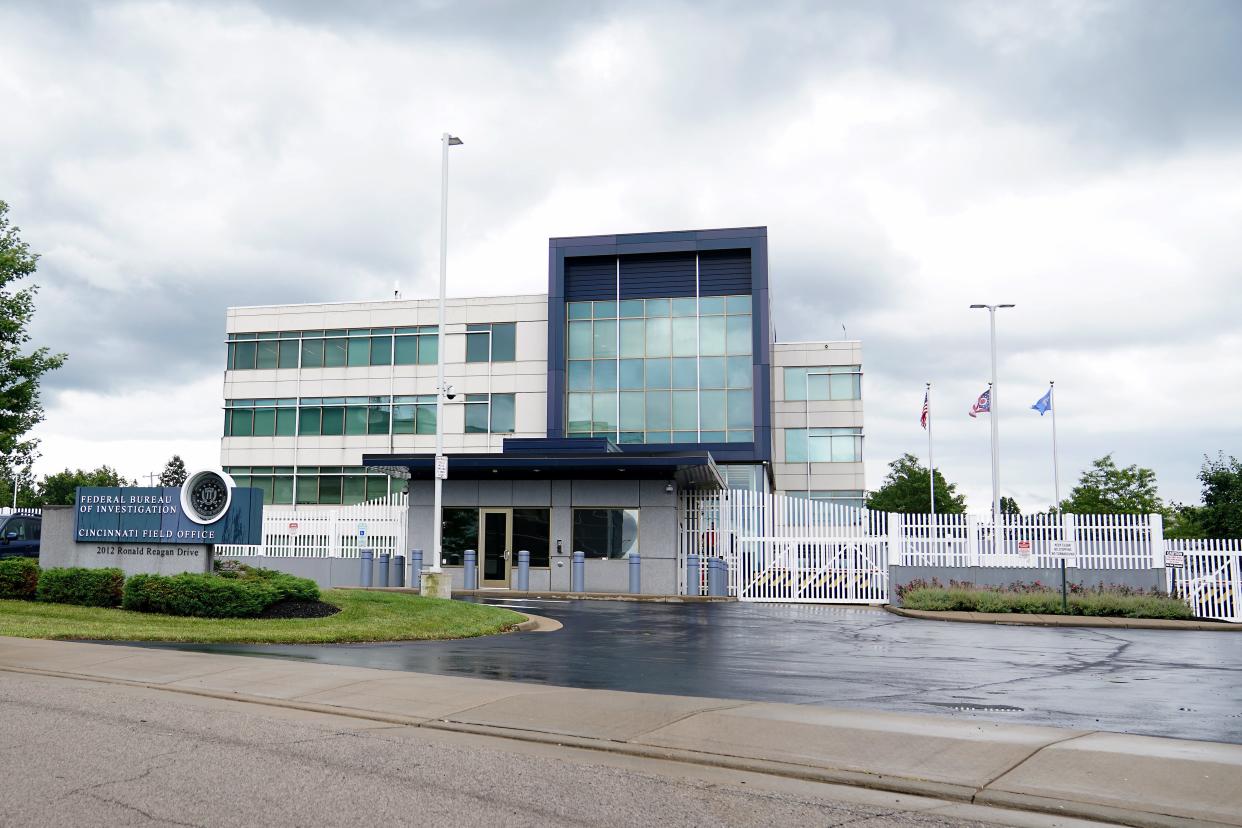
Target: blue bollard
(469,571)
(398,570)
(636,581)
(416,569)
(523,583)
(366,563)
(578,573)
(717,577)
(384,560)
(694,584)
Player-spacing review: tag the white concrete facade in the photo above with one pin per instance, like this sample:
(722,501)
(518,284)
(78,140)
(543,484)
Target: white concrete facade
(788,414)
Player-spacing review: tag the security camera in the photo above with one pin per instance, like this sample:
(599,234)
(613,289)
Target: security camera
(449,395)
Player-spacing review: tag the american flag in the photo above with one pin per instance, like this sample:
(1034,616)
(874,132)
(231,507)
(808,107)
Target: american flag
(982,405)
(926,410)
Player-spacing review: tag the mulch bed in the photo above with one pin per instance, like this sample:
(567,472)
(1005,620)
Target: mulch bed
(300,609)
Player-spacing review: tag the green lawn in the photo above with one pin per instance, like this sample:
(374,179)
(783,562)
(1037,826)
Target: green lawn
(364,616)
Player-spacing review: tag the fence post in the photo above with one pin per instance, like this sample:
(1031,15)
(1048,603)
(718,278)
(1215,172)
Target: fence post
(578,572)
(635,573)
(384,561)
(1157,540)
(693,585)
(523,574)
(896,554)
(972,540)
(398,569)
(366,566)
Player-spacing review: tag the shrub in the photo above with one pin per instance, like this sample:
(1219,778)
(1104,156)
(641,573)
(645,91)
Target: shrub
(210,596)
(19,578)
(1118,604)
(78,585)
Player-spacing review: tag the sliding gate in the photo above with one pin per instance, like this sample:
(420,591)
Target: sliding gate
(790,549)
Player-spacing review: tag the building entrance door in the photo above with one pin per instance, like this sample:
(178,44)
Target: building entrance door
(496,541)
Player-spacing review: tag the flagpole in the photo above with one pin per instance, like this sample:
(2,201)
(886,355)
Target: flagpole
(931,463)
(1056,465)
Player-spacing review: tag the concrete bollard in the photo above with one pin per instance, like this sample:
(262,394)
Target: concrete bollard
(398,570)
(384,560)
(469,571)
(416,568)
(694,582)
(523,581)
(578,573)
(717,577)
(636,581)
(366,564)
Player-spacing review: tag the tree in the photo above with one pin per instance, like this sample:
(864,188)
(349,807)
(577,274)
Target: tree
(174,472)
(1105,489)
(1009,506)
(1220,516)
(60,488)
(20,406)
(905,490)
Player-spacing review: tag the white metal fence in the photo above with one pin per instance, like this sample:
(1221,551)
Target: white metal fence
(1097,541)
(1208,576)
(379,525)
(5,511)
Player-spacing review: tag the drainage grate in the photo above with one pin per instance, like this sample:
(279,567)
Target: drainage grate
(985,708)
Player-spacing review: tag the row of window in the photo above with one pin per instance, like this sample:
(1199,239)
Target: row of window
(826,382)
(660,337)
(315,485)
(855,498)
(598,533)
(823,445)
(639,374)
(690,416)
(685,306)
(357,416)
(493,342)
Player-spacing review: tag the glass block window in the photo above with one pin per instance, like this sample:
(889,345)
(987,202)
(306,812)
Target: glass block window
(661,370)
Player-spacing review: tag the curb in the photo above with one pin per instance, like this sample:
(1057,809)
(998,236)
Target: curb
(574,596)
(1017,619)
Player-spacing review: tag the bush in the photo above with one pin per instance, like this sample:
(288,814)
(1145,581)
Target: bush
(19,578)
(81,586)
(210,596)
(1116,604)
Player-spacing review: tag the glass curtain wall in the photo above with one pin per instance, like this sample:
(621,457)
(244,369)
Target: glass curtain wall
(661,370)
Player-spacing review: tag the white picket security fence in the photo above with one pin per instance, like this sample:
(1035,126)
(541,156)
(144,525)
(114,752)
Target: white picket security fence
(1209,577)
(331,533)
(1098,541)
(5,511)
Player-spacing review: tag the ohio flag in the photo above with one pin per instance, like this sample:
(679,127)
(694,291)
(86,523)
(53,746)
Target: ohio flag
(982,405)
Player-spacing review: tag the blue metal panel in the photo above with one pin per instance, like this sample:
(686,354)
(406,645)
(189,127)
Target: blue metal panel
(653,275)
(725,272)
(590,277)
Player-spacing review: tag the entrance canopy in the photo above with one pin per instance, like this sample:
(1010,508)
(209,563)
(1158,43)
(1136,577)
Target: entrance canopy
(563,459)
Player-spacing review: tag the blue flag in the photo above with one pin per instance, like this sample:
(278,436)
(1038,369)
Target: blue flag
(1045,403)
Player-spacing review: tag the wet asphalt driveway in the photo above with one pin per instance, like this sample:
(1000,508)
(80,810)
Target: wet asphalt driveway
(1161,683)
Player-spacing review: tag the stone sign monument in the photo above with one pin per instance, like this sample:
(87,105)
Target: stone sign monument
(163,530)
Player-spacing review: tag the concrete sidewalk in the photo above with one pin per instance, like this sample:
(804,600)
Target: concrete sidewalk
(1135,780)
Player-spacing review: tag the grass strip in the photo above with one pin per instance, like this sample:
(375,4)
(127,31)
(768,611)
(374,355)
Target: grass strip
(1101,604)
(364,616)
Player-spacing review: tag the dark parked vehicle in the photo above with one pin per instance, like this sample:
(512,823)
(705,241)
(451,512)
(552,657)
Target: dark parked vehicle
(19,535)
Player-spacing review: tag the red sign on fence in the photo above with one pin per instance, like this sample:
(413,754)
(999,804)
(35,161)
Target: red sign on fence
(1024,547)
(293,527)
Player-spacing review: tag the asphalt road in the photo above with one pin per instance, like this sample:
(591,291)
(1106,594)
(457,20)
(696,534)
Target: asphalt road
(86,753)
(1153,682)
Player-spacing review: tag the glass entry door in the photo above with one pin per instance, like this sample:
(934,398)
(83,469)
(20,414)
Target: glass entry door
(496,541)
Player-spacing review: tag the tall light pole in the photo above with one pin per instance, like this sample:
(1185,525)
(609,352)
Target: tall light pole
(994,415)
(441,468)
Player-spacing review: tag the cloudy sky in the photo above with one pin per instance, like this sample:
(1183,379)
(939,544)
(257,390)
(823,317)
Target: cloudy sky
(1082,160)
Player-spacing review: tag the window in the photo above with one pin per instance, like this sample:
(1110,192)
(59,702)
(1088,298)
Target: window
(489,413)
(823,445)
(661,370)
(605,533)
(532,532)
(313,484)
(828,382)
(459,532)
(495,342)
(337,349)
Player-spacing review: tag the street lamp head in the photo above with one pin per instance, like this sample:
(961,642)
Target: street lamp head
(454,141)
(1006,306)
(978,306)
